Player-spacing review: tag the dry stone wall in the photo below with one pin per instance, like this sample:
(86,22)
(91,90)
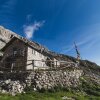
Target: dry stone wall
(40,80)
(50,79)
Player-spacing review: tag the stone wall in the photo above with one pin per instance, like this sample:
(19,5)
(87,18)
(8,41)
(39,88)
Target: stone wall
(50,79)
(39,80)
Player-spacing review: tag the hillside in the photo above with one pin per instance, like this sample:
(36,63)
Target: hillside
(88,73)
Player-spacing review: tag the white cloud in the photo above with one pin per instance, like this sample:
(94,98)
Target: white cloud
(30,29)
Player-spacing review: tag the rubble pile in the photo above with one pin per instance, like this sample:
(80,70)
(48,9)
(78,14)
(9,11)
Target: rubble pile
(12,87)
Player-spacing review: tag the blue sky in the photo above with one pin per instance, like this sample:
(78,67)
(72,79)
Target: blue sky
(56,24)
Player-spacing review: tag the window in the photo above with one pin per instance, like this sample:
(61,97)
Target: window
(33,52)
(15,51)
(22,52)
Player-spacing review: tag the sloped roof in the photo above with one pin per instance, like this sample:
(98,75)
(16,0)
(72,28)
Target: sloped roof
(26,41)
(40,49)
(32,44)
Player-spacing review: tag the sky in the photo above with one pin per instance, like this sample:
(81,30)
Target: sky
(56,24)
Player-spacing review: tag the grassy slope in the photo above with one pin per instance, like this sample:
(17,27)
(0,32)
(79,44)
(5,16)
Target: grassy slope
(50,96)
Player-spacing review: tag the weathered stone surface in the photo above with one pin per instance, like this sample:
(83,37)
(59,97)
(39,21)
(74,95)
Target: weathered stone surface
(41,80)
(12,87)
(5,36)
(50,79)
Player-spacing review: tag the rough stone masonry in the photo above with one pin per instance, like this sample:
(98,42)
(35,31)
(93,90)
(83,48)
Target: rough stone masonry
(39,80)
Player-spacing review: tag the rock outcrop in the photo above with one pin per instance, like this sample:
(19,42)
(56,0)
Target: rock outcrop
(5,36)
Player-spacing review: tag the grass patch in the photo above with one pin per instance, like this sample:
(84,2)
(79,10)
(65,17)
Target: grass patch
(49,96)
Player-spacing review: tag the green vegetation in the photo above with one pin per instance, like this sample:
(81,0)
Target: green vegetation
(49,96)
(89,87)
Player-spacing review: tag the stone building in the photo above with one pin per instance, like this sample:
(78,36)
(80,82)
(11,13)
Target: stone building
(22,54)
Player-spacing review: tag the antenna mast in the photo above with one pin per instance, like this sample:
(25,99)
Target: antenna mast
(77,51)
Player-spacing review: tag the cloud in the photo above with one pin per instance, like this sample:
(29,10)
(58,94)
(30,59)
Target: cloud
(70,48)
(30,29)
(90,36)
